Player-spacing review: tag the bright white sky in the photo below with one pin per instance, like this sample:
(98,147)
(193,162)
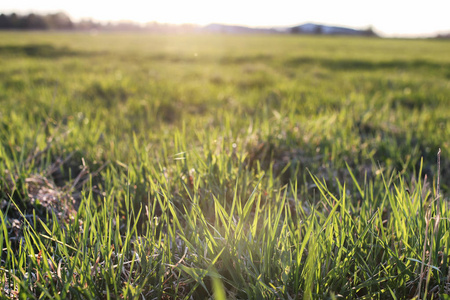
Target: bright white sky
(388,17)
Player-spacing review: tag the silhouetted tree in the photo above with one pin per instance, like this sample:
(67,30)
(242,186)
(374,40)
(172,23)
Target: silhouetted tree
(5,21)
(59,21)
(369,32)
(33,21)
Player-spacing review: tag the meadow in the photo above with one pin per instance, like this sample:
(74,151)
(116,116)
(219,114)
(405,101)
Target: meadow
(226,167)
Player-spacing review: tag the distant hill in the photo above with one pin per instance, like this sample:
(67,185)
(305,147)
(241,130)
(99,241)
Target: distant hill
(308,28)
(221,28)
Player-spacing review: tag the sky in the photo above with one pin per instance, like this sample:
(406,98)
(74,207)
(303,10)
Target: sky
(391,18)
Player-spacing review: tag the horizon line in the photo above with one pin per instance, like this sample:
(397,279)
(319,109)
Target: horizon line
(379,32)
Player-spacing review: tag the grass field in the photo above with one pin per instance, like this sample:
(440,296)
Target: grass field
(226,167)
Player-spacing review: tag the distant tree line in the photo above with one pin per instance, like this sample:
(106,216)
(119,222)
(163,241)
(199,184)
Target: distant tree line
(61,21)
(36,22)
(443,36)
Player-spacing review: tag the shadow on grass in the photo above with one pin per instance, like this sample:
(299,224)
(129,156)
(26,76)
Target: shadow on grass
(359,64)
(40,51)
(245,59)
(395,152)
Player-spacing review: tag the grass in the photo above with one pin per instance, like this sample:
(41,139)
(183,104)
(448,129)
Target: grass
(241,167)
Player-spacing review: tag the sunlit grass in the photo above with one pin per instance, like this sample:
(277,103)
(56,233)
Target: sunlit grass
(242,167)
